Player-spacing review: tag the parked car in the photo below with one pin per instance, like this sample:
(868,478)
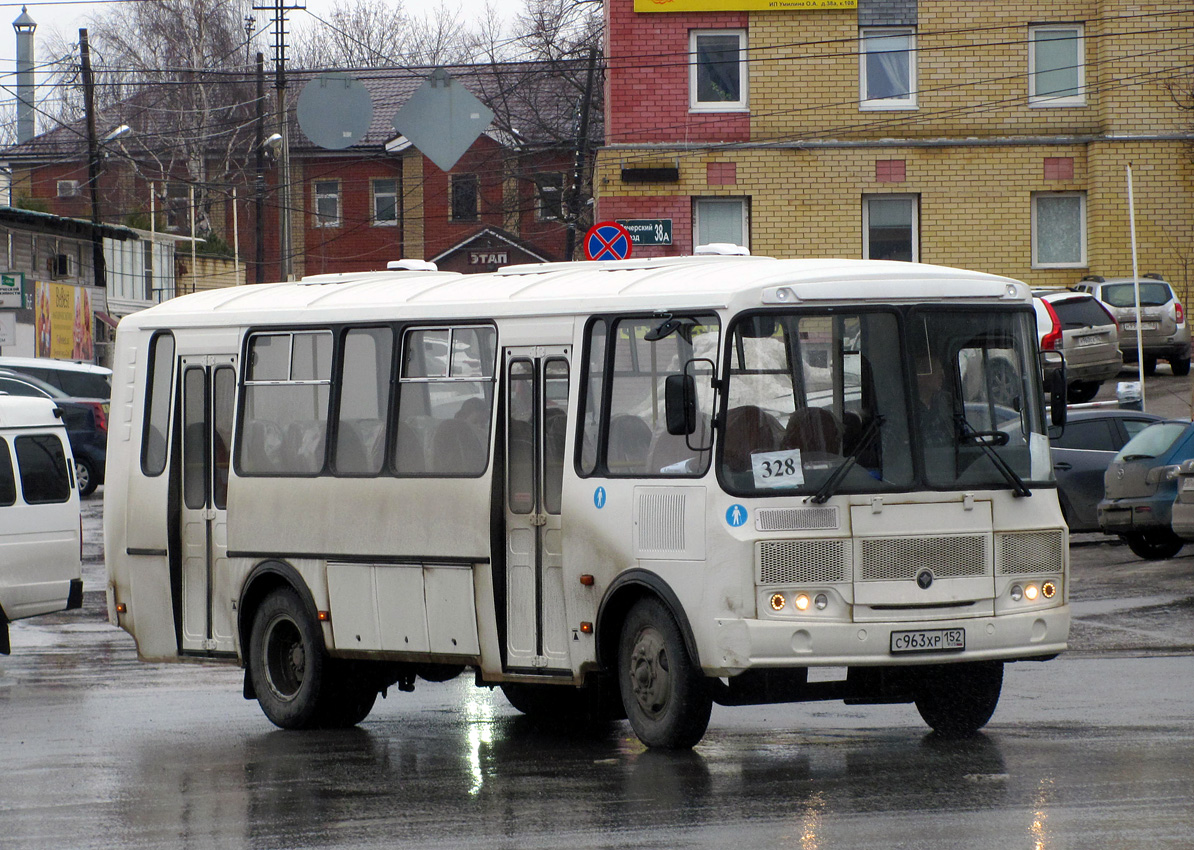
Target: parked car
(86,421)
(1182,518)
(1082,451)
(1141,485)
(1084,331)
(78,380)
(1164,332)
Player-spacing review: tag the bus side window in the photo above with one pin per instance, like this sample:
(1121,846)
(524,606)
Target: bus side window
(364,396)
(157,404)
(8,484)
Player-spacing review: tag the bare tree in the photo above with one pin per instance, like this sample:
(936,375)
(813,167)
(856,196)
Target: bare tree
(176,72)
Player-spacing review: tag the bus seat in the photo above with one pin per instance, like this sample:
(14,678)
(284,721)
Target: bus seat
(456,449)
(667,450)
(373,437)
(749,430)
(263,446)
(351,457)
(303,449)
(410,452)
(813,429)
(629,443)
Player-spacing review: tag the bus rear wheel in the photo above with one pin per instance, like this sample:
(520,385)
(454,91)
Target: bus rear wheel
(957,700)
(298,686)
(663,692)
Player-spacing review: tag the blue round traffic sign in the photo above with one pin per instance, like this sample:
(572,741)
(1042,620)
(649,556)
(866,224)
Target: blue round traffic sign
(608,240)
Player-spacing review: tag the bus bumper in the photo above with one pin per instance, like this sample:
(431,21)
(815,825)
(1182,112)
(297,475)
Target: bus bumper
(747,644)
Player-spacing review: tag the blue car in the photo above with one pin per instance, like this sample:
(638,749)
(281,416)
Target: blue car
(1140,486)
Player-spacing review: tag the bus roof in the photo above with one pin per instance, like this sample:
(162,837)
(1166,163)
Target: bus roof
(27,412)
(582,287)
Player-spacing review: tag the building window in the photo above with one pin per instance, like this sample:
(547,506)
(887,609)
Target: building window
(464,197)
(721,220)
(549,204)
(147,268)
(890,227)
(327,203)
(385,202)
(887,68)
(68,188)
(717,75)
(1058,230)
(1056,76)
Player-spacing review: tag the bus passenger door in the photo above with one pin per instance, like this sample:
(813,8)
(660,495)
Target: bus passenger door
(536,425)
(208,393)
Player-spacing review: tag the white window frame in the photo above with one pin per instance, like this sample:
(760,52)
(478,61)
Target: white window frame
(375,221)
(1081,263)
(866,221)
(744,208)
(1036,100)
(865,101)
(545,185)
(68,189)
(320,219)
(739,105)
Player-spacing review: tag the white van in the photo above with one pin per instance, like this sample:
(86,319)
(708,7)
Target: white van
(81,380)
(40,529)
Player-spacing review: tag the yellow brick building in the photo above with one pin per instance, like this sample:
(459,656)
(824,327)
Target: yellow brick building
(993,136)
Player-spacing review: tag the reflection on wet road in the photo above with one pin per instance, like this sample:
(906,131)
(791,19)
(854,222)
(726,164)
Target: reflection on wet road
(103,751)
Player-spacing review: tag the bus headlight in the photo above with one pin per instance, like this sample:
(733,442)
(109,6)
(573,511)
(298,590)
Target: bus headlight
(801,602)
(1031,592)
(822,601)
(1017,593)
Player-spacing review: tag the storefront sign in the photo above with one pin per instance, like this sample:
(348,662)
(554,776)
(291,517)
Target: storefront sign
(12,287)
(488,258)
(741,5)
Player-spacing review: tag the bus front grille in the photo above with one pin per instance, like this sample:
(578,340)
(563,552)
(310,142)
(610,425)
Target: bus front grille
(803,561)
(901,558)
(1029,552)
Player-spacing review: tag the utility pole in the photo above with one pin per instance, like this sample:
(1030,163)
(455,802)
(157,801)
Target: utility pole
(581,158)
(93,162)
(259,182)
(279,9)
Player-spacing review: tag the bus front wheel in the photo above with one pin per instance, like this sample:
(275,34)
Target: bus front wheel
(957,700)
(297,684)
(663,692)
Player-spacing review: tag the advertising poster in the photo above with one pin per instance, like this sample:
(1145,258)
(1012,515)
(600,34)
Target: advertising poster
(64,321)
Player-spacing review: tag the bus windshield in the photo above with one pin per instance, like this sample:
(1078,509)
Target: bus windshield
(883,400)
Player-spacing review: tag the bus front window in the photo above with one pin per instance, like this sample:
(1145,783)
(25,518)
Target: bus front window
(815,399)
(867,402)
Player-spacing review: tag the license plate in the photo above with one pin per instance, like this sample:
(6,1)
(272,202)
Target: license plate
(1188,482)
(929,640)
(1144,326)
(1089,340)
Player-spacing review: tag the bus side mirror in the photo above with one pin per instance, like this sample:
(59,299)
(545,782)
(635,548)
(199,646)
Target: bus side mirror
(679,402)
(1053,365)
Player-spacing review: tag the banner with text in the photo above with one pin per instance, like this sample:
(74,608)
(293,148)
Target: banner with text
(64,321)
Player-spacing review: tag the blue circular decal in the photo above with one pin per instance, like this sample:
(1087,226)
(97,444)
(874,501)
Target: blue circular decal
(736,516)
(599,497)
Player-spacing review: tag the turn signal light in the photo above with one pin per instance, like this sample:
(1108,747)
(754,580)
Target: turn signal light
(586,580)
(1048,590)
(586,627)
(323,616)
(121,608)
(778,602)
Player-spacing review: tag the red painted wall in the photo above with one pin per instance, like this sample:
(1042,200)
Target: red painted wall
(646,85)
(676,207)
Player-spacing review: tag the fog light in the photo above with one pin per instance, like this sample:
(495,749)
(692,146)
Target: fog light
(822,601)
(1048,590)
(1017,593)
(1030,592)
(778,602)
(802,602)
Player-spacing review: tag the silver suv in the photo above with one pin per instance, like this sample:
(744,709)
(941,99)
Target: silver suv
(1163,328)
(1083,330)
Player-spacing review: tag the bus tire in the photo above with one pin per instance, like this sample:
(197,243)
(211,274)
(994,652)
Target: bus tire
(957,700)
(663,692)
(287,663)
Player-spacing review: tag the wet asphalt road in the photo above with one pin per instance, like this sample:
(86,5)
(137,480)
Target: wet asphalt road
(1092,750)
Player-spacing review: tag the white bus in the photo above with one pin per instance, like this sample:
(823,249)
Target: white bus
(628,488)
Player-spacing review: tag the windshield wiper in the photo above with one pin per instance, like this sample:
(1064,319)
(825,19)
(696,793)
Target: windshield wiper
(981,440)
(867,437)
